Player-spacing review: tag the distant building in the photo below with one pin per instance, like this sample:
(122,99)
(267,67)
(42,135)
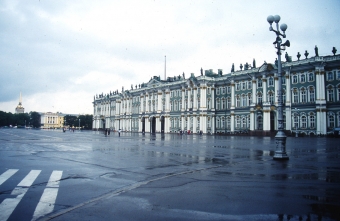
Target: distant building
(239,101)
(20,109)
(51,120)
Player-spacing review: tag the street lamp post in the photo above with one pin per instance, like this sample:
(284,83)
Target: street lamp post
(79,124)
(280,152)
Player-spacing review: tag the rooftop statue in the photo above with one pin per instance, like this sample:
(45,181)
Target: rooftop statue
(298,56)
(306,54)
(201,71)
(316,51)
(288,58)
(254,63)
(232,68)
(241,66)
(246,66)
(334,51)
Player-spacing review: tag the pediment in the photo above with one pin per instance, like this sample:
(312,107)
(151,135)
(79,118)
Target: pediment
(153,82)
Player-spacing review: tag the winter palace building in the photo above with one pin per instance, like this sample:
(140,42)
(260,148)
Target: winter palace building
(242,100)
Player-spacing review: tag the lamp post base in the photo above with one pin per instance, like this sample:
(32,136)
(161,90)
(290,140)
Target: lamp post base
(280,153)
(280,156)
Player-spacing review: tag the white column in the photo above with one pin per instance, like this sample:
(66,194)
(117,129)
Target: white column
(232,95)
(213,124)
(288,110)
(183,100)
(188,122)
(147,125)
(254,90)
(213,98)
(189,98)
(183,122)
(117,107)
(142,104)
(167,100)
(320,85)
(159,101)
(266,119)
(232,121)
(195,98)
(140,124)
(158,124)
(252,119)
(166,124)
(194,124)
(203,123)
(203,97)
(264,89)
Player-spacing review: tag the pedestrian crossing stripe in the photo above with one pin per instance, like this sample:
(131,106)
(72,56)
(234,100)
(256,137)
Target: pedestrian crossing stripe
(47,200)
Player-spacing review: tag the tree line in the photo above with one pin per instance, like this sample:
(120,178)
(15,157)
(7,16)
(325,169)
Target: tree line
(33,119)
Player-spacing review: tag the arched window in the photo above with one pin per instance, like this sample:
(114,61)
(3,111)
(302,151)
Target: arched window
(217,104)
(238,101)
(259,83)
(303,121)
(303,95)
(295,121)
(271,97)
(237,121)
(223,123)
(228,103)
(271,82)
(331,120)
(283,96)
(259,98)
(330,94)
(295,79)
(249,99)
(302,78)
(330,76)
(244,123)
(311,94)
(228,123)
(223,104)
(244,100)
(295,96)
(218,123)
(311,120)
(311,77)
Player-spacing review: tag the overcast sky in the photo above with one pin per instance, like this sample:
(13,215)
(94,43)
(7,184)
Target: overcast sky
(60,54)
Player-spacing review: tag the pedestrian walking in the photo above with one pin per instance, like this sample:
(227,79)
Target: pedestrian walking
(119,132)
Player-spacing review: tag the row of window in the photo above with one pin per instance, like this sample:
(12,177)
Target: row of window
(302,95)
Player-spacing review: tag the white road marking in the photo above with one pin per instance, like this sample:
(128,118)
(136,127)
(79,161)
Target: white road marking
(8,205)
(55,178)
(6,175)
(47,200)
(29,179)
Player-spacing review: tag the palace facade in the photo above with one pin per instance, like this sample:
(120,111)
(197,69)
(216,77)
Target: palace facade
(243,100)
(51,120)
